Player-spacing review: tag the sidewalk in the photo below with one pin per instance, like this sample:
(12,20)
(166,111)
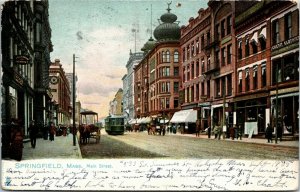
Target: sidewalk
(262,141)
(61,148)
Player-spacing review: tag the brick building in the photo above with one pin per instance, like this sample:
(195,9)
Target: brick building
(60,90)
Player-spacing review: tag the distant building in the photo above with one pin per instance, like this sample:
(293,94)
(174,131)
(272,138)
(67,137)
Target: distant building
(60,90)
(128,85)
(116,105)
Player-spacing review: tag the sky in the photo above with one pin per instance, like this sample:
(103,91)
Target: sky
(101,34)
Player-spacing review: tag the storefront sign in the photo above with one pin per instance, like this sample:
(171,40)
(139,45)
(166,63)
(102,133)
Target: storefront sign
(285,43)
(21,60)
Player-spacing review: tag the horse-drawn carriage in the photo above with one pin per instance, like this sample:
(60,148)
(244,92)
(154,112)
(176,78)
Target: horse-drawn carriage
(88,128)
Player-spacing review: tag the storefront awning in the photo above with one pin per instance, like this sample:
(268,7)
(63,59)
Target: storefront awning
(185,116)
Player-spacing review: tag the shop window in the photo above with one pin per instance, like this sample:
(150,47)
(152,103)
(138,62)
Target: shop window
(275,32)
(176,57)
(288,26)
(276,72)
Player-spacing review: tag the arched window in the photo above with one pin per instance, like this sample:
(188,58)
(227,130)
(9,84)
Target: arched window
(167,56)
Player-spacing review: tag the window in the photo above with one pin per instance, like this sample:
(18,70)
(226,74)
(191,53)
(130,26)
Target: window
(240,51)
(223,28)
(202,42)
(202,65)
(229,53)
(218,91)
(197,92)
(193,49)
(217,29)
(197,68)
(255,77)
(184,74)
(167,87)
(223,57)
(263,75)
(176,87)
(223,93)
(163,56)
(229,24)
(188,73)
(202,89)
(183,54)
(167,103)
(276,38)
(167,56)
(176,103)
(247,80)
(192,94)
(188,52)
(229,85)
(208,38)
(262,42)
(288,26)
(208,89)
(176,71)
(247,52)
(197,45)
(176,57)
(240,81)
(192,71)
(254,47)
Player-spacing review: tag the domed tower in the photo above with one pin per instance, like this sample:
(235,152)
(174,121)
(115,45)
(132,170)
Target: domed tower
(169,28)
(149,45)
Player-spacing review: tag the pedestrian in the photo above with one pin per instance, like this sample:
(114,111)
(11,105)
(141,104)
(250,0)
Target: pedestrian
(209,131)
(16,140)
(239,132)
(269,131)
(52,131)
(164,129)
(232,132)
(198,128)
(148,128)
(33,131)
(182,129)
(279,132)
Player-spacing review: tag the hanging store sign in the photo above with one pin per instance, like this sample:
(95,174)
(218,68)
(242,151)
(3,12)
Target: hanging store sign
(18,79)
(21,60)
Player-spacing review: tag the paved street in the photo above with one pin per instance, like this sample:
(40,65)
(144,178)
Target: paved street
(188,146)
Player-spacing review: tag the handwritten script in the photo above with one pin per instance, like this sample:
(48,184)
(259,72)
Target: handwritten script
(158,174)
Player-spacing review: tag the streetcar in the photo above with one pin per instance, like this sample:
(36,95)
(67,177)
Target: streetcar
(88,127)
(114,125)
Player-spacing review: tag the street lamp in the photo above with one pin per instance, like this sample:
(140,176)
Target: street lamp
(74,125)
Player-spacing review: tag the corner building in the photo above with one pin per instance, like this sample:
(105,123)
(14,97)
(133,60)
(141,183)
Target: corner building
(157,78)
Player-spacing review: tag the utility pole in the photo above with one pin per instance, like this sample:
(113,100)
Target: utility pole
(74,125)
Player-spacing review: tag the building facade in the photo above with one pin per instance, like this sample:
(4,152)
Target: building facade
(25,48)
(157,78)
(60,90)
(116,105)
(128,85)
